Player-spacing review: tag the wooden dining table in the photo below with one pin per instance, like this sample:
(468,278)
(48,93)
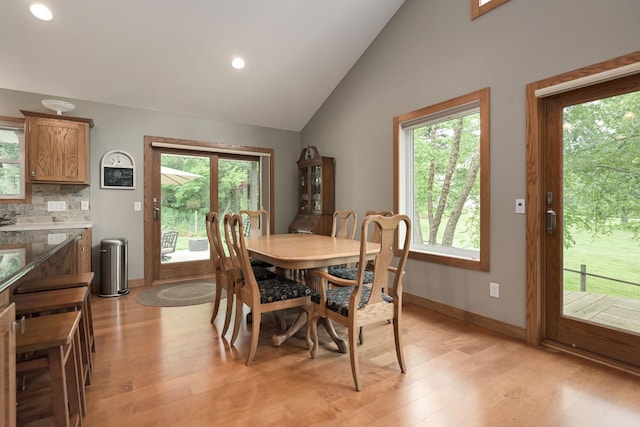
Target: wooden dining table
(302,251)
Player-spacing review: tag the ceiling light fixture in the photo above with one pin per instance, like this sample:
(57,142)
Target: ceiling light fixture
(237,63)
(41,11)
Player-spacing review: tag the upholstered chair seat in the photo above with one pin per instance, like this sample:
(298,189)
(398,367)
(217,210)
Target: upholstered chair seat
(338,299)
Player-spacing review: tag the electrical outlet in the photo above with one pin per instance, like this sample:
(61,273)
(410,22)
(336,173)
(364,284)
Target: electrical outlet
(56,239)
(494,290)
(57,206)
(520,206)
(84,205)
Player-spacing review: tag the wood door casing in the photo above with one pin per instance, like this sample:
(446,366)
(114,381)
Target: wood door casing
(536,302)
(614,343)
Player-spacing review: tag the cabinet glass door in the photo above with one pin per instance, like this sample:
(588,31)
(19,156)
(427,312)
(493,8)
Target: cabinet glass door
(316,188)
(303,206)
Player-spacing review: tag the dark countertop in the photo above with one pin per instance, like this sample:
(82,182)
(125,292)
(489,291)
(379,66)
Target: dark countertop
(21,251)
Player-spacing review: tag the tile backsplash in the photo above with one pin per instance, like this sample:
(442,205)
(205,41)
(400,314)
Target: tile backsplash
(41,194)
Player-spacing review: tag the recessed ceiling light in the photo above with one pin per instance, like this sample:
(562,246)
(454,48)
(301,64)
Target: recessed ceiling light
(237,63)
(41,11)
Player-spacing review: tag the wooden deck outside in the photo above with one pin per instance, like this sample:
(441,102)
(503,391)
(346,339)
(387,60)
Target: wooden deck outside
(621,313)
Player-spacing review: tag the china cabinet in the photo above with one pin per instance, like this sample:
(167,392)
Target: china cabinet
(57,148)
(316,193)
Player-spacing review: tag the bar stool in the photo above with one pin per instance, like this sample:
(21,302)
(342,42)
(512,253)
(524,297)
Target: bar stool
(52,342)
(64,281)
(60,300)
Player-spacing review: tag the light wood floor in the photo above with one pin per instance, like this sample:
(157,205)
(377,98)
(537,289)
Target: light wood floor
(169,367)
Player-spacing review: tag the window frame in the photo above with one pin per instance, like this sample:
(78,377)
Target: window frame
(26,197)
(401,170)
(478,10)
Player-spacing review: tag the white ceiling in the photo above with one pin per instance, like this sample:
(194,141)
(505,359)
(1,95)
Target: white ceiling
(174,56)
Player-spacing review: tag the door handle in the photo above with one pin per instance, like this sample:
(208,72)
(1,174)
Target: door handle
(551,221)
(156,214)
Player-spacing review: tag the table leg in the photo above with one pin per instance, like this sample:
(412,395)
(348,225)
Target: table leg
(342,345)
(316,284)
(278,339)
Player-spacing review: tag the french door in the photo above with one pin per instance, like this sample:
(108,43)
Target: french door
(592,202)
(185,184)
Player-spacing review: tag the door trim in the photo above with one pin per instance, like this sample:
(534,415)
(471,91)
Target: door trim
(535,166)
(183,144)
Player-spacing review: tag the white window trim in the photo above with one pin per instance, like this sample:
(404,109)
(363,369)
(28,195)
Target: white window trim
(403,135)
(10,125)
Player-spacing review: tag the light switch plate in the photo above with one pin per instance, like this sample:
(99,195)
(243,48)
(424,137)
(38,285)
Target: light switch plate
(137,206)
(84,205)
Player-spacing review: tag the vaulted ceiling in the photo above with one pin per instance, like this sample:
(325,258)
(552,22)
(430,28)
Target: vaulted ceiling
(175,56)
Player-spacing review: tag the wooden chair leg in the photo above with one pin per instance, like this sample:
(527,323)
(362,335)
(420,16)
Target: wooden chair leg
(229,312)
(78,364)
(398,339)
(353,354)
(313,327)
(216,302)
(238,321)
(74,383)
(59,395)
(255,333)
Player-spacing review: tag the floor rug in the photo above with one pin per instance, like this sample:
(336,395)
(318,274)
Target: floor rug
(178,294)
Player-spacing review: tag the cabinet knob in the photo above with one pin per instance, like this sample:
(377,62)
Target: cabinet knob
(33,174)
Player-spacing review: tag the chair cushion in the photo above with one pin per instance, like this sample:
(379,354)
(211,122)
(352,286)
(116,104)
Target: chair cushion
(280,288)
(261,273)
(349,273)
(338,299)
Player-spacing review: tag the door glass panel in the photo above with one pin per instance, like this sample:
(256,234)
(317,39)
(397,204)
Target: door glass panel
(185,189)
(238,185)
(601,211)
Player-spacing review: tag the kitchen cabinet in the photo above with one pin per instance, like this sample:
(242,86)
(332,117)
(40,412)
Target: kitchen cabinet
(83,254)
(38,259)
(316,193)
(8,366)
(57,148)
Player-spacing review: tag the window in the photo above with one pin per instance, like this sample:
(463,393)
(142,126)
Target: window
(13,187)
(442,180)
(480,7)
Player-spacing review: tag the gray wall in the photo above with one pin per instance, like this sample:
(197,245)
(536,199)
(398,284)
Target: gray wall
(430,52)
(124,128)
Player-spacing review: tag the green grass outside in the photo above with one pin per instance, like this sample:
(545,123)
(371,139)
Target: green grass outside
(615,256)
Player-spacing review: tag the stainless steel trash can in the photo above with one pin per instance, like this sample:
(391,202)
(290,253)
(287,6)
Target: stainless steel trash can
(114,274)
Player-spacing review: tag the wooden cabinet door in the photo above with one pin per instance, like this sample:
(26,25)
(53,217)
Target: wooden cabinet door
(84,252)
(58,151)
(8,367)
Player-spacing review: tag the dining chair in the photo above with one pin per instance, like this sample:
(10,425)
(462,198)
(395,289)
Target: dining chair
(354,304)
(223,268)
(344,226)
(256,223)
(349,272)
(261,296)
